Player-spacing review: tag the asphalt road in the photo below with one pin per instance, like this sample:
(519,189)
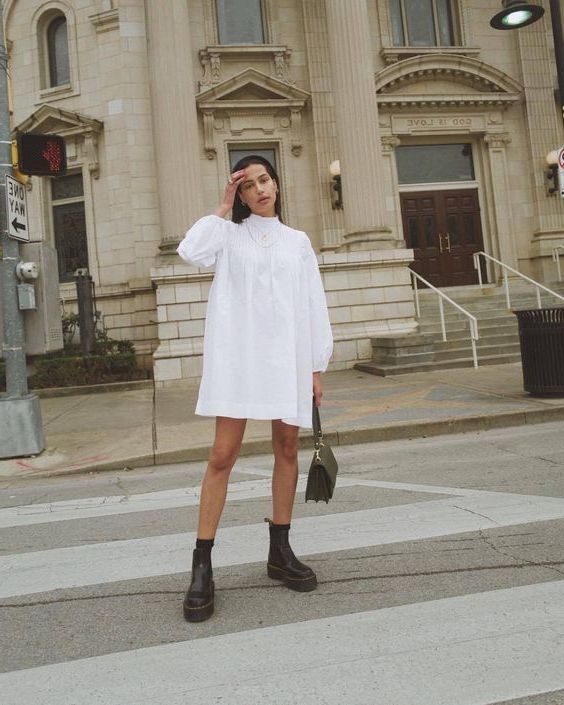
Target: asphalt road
(441,580)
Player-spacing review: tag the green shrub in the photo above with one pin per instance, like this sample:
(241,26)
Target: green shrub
(79,370)
(71,371)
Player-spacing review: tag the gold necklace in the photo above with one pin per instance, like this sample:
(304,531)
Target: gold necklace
(264,236)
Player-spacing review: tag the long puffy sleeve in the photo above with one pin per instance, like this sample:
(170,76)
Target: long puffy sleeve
(321,334)
(204,241)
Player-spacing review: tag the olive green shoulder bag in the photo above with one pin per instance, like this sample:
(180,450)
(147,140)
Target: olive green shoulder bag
(323,470)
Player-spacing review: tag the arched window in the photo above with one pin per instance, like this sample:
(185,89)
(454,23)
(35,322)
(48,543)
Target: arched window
(58,52)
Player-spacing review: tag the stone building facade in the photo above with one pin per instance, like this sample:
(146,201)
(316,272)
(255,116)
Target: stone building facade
(440,123)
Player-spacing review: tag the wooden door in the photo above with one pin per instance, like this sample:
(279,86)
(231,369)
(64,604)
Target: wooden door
(444,230)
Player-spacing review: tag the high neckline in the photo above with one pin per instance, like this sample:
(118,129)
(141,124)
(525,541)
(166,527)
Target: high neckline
(261,222)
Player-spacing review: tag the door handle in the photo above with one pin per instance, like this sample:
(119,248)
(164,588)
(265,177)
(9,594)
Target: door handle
(444,242)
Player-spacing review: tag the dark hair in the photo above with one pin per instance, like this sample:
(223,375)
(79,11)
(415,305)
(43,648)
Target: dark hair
(240,211)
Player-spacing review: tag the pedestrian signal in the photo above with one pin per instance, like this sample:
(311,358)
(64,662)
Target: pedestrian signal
(41,155)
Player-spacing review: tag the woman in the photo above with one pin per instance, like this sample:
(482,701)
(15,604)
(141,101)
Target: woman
(267,340)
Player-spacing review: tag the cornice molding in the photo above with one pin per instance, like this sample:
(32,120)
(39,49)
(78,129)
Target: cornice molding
(491,86)
(213,57)
(444,101)
(105,21)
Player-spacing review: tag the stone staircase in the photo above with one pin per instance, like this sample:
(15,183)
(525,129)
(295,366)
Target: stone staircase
(497,327)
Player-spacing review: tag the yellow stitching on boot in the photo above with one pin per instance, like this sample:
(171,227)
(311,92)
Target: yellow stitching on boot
(281,570)
(198,608)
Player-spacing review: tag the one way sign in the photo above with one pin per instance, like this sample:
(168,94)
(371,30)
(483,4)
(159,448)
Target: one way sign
(16,209)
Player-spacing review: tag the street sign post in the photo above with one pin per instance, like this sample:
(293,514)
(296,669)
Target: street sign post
(16,210)
(561,171)
(21,428)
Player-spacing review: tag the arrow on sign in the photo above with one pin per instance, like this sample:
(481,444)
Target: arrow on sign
(17,225)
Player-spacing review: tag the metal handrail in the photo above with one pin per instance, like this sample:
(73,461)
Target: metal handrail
(507,268)
(472,320)
(556,258)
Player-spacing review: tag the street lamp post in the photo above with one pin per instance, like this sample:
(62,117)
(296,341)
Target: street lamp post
(517,13)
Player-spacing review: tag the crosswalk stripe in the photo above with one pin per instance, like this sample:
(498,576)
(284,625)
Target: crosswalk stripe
(88,507)
(112,505)
(70,567)
(468,650)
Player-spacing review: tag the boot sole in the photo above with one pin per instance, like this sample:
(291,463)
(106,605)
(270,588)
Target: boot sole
(298,584)
(199,614)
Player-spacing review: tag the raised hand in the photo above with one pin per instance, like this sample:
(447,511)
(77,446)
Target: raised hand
(235,180)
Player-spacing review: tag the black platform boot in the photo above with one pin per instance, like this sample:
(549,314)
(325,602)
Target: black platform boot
(198,602)
(283,564)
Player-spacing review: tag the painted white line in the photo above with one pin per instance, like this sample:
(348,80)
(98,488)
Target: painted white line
(92,564)
(112,505)
(469,650)
(109,505)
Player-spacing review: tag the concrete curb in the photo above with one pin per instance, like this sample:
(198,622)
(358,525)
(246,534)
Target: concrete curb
(389,432)
(51,392)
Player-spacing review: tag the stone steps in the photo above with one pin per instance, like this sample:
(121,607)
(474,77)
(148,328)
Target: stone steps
(384,370)
(497,327)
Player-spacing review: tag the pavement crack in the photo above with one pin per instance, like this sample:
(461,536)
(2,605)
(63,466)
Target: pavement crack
(551,565)
(464,509)
(520,454)
(85,598)
(65,412)
(119,485)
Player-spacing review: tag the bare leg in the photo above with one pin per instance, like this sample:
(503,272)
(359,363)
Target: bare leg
(223,455)
(285,475)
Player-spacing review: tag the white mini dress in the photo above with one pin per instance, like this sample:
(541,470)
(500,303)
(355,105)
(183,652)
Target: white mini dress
(267,325)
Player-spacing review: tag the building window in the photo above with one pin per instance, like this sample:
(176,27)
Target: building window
(69,225)
(240,22)
(433,163)
(422,23)
(236,154)
(58,52)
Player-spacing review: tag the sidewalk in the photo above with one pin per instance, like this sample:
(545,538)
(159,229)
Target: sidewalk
(114,430)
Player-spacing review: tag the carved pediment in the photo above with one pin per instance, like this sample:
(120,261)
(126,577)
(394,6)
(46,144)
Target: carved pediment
(80,133)
(249,88)
(48,119)
(252,93)
(445,80)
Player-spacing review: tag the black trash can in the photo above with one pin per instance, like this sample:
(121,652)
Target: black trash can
(541,335)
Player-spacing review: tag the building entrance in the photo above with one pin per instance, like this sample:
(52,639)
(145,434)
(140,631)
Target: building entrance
(444,230)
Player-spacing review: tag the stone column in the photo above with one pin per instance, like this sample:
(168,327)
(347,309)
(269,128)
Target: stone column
(391,184)
(506,251)
(358,137)
(175,125)
(536,53)
(323,113)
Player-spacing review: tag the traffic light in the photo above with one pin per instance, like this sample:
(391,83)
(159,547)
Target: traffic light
(41,155)
(552,179)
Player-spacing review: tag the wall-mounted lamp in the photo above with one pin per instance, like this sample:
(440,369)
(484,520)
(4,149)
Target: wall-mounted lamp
(552,173)
(516,14)
(336,192)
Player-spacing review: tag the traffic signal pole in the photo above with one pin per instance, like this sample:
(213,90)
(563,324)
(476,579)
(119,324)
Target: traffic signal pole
(21,431)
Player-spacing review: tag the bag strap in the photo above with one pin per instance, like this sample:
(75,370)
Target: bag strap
(317,433)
